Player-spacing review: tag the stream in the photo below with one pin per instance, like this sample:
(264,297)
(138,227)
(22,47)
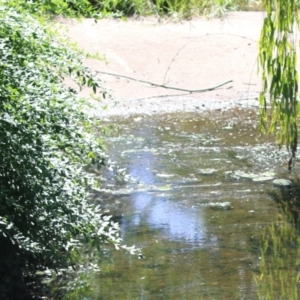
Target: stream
(193,191)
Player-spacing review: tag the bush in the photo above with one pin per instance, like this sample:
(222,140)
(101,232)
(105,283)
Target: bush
(70,8)
(47,145)
(121,8)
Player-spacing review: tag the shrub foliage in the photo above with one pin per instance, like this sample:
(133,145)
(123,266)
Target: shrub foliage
(123,8)
(46,145)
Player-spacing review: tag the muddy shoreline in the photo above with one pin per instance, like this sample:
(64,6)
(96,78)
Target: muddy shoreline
(191,54)
(169,104)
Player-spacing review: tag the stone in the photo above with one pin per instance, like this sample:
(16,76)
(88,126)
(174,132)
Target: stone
(207,171)
(262,178)
(282,182)
(219,205)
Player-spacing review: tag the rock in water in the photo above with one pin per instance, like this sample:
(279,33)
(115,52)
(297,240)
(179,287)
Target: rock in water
(282,182)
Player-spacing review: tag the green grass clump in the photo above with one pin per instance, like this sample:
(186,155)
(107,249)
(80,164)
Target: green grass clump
(180,8)
(126,8)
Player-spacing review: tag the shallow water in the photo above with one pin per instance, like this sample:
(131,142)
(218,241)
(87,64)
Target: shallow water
(198,222)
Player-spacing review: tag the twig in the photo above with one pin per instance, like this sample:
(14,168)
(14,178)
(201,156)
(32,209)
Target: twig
(165,86)
(204,35)
(173,59)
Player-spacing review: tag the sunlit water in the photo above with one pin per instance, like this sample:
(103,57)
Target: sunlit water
(196,220)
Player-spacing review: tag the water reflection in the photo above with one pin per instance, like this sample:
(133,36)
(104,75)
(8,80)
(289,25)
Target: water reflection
(174,221)
(141,166)
(279,263)
(191,251)
(280,247)
(159,212)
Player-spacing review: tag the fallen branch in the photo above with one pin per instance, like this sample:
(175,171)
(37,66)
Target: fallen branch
(165,86)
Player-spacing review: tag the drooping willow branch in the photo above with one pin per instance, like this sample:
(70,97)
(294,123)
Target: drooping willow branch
(278,64)
(165,86)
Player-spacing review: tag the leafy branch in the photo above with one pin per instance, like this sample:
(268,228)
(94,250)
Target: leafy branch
(278,64)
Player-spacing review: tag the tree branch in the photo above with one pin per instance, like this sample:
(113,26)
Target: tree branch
(165,86)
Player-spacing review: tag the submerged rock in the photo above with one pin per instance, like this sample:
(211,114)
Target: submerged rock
(164,175)
(242,174)
(207,171)
(260,177)
(266,176)
(282,182)
(219,205)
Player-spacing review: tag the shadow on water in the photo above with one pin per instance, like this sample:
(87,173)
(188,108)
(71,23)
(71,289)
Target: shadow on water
(280,247)
(195,199)
(288,197)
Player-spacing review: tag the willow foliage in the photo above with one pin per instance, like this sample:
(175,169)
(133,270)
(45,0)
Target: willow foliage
(278,62)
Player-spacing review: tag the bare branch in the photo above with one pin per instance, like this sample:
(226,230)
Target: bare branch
(165,86)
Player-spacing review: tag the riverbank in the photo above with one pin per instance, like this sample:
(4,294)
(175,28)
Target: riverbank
(192,55)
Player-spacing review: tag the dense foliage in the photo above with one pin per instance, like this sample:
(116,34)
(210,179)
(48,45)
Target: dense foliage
(70,8)
(46,146)
(278,61)
(123,8)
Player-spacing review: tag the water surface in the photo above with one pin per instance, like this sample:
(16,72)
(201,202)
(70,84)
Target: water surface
(199,224)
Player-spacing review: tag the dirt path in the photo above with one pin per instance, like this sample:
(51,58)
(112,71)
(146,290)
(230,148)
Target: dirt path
(192,54)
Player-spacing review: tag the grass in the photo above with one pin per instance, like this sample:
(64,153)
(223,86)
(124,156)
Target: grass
(182,9)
